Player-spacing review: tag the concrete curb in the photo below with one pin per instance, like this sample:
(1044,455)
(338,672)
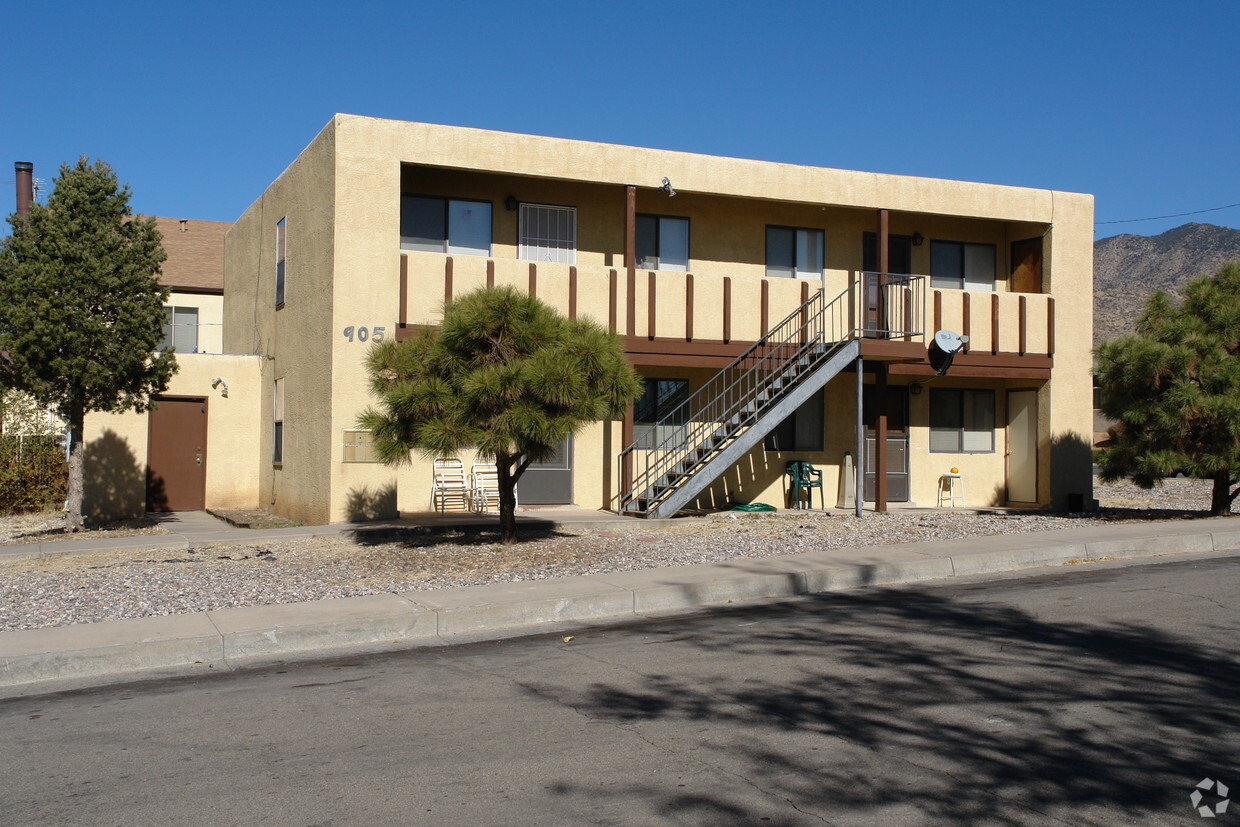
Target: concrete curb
(100,653)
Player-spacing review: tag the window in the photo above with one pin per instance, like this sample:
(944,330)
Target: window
(793,253)
(281,227)
(445,225)
(277,451)
(181,329)
(802,430)
(660,398)
(962,422)
(358,446)
(548,233)
(662,243)
(960,266)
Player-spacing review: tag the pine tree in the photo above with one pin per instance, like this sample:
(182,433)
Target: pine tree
(505,374)
(81,312)
(1174,390)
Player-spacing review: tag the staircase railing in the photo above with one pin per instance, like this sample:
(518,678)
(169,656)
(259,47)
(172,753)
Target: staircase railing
(684,439)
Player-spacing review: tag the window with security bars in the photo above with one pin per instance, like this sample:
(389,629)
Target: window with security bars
(962,421)
(548,233)
(358,446)
(181,329)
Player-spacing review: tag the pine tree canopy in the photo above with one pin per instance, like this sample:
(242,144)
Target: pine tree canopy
(504,374)
(81,312)
(1173,389)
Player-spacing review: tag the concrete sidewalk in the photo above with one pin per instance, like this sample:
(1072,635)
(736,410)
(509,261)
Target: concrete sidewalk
(207,642)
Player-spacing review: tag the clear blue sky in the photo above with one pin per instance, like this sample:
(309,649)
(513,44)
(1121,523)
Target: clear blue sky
(199,108)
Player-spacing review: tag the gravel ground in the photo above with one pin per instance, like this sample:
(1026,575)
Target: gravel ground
(84,588)
(49,526)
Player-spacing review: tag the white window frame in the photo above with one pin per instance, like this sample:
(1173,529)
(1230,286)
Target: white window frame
(800,253)
(445,244)
(966,438)
(534,243)
(171,326)
(663,223)
(971,253)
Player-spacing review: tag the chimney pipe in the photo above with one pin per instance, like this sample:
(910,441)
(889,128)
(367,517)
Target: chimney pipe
(25,187)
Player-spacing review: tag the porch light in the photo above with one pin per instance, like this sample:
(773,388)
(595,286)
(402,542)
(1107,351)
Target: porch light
(511,203)
(915,389)
(918,238)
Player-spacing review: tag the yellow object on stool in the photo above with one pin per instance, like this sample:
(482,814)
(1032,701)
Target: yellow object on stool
(951,488)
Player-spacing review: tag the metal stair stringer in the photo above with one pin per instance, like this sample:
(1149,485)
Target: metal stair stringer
(844,353)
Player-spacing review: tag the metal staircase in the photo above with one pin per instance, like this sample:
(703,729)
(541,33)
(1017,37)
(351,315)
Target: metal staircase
(675,459)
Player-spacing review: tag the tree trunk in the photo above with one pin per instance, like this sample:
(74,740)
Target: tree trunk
(1220,500)
(73,508)
(507,501)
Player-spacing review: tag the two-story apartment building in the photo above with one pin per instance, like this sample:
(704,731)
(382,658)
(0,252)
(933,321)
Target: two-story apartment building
(777,312)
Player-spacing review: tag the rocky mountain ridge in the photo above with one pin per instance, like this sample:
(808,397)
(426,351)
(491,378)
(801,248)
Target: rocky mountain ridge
(1128,268)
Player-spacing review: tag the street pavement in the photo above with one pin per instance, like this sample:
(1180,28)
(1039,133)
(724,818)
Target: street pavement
(1094,694)
(41,660)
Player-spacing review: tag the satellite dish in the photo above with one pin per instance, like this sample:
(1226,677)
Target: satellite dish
(949,341)
(946,344)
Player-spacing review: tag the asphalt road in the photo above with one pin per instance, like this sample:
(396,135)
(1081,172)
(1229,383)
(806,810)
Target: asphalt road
(1077,697)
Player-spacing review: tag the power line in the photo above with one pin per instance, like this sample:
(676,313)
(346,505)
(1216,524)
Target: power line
(1173,215)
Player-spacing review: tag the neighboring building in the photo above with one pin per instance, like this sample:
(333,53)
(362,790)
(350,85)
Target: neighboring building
(694,261)
(194,270)
(159,460)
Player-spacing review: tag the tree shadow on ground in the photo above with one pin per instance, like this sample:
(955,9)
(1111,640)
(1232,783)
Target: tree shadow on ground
(971,712)
(467,535)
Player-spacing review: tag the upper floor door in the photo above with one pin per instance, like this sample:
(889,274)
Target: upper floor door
(548,233)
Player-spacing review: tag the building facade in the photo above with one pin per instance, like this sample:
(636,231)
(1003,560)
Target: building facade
(693,261)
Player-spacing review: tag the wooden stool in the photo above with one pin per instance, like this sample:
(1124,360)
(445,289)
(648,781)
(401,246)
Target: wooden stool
(951,488)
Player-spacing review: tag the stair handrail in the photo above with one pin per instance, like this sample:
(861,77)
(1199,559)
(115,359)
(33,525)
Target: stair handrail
(701,421)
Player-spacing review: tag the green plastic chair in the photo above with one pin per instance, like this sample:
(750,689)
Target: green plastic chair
(805,477)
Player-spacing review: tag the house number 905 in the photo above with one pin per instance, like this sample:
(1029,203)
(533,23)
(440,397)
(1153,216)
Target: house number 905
(374,334)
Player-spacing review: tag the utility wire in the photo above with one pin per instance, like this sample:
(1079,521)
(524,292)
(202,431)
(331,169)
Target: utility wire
(1173,215)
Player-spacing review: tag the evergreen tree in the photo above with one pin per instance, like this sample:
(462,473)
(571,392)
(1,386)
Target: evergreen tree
(505,374)
(81,312)
(1174,390)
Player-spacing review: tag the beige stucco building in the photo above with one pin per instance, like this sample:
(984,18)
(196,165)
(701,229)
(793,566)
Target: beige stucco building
(694,261)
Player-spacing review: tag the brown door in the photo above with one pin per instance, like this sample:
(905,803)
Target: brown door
(1027,266)
(176,474)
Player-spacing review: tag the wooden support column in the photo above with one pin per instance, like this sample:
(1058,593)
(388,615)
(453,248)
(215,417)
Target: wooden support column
(884,265)
(572,292)
(447,282)
(626,466)
(859,461)
(880,437)
(727,309)
(490,273)
(689,307)
(613,279)
(402,317)
(651,303)
(630,264)
(630,258)
(533,285)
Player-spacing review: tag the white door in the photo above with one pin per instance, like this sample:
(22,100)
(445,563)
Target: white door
(548,233)
(1022,446)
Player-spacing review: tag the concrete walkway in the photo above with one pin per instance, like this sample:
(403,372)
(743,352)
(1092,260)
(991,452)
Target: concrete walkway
(206,642)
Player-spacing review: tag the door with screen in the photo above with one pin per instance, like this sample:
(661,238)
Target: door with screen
(549,482)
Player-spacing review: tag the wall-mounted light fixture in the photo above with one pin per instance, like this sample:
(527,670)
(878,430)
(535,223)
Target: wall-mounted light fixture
(221,385)
(667,187)
(915,389)
(918,238)
(511,203)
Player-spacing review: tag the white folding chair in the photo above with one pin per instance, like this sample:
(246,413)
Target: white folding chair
(484,486)
(449,485)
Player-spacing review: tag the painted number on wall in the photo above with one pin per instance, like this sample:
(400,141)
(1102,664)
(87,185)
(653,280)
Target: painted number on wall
(362,334)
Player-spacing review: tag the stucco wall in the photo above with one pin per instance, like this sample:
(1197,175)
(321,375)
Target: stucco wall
(210,318)
(116,444)
(294,341)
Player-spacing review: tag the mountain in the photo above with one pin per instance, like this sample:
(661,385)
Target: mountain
(1128,268)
